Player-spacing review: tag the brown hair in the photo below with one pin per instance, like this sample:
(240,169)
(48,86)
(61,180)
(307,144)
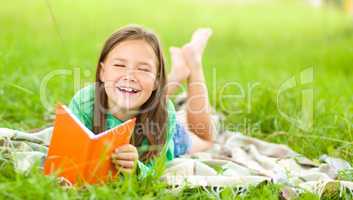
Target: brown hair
(152,118)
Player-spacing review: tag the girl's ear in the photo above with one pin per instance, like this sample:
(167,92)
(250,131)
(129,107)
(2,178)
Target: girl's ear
(101,73)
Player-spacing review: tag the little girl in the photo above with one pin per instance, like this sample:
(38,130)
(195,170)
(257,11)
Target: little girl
(131,82)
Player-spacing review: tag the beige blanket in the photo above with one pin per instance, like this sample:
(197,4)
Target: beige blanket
(239,161)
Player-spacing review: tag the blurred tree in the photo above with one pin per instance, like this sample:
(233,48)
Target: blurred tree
(348,6)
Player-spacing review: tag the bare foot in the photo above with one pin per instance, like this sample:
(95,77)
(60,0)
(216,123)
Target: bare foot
(193,50)
(180,71)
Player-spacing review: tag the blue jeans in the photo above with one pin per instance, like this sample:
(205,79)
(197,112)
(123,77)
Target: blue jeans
(182,140)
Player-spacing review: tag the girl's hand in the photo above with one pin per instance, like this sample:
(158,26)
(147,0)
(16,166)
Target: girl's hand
(124,158)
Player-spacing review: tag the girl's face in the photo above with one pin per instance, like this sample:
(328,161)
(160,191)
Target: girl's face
(129,75)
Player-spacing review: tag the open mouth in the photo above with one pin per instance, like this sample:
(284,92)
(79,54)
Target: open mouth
(128,90)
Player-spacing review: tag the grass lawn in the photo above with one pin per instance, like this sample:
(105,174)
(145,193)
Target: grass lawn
(256,49)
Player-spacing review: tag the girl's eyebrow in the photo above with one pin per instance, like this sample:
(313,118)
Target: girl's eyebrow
(145,63)
(120,59)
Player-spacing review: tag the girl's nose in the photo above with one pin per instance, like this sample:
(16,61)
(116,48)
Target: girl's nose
(130,75)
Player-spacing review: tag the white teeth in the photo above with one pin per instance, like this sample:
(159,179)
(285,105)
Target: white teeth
(126,89)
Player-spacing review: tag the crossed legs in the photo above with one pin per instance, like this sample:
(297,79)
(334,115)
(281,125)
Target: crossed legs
(187,66)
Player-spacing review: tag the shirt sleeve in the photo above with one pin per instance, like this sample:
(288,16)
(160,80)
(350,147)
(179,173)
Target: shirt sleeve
(81,105)
(171,131)
(78,111)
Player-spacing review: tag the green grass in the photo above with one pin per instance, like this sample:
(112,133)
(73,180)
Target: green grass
(255,46)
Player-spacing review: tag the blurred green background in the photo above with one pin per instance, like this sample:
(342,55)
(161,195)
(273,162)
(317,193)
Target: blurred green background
(262,43)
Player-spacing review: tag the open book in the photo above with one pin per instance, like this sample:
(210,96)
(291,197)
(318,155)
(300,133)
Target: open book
(77,154)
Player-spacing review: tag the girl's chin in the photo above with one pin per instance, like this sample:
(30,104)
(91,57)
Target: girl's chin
(127,105)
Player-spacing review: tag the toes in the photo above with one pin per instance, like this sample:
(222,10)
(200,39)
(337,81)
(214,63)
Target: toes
(177,56)
(201,35)
(198,42)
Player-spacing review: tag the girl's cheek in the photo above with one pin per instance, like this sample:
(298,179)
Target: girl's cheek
(148,84)
(112,74)
(114,77)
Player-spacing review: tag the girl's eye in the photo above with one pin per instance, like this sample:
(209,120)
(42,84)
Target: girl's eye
(144,69)
(117,65)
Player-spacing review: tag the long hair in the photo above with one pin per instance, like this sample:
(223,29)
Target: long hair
(151,121)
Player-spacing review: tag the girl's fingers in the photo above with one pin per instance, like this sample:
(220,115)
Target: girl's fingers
(121,169)
(126,148)
(125,163)
(125,156)
(129,171)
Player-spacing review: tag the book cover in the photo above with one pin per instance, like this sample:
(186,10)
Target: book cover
(77,154)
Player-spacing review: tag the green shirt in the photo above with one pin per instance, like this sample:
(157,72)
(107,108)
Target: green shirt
(82,106)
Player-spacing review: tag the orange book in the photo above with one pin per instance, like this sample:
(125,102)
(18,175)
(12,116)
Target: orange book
(77,154)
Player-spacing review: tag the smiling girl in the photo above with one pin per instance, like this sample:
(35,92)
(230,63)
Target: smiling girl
(131,82)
